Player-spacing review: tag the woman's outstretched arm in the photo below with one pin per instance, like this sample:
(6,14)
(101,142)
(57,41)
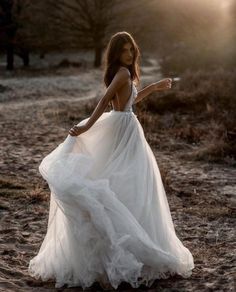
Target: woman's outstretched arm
(156,86)
(118,81)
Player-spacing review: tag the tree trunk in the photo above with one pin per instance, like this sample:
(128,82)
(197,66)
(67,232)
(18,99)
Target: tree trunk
(25,58)
(10,56)
(98,56)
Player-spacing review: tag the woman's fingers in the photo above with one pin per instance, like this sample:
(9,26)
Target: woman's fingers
(164,84)
(168,82)
(73,131)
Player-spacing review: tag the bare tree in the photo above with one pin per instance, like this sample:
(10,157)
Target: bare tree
(16,30)
(48,25)
(8,30)
(25,27)
(83,23)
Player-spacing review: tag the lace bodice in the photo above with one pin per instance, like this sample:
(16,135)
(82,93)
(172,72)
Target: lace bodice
(131,99)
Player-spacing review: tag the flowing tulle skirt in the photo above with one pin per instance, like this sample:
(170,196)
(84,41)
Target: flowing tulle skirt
(109,216)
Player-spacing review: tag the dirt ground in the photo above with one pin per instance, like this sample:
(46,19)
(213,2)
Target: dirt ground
(33,121)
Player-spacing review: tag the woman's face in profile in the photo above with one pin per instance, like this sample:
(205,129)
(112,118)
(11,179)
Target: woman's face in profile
(127,54)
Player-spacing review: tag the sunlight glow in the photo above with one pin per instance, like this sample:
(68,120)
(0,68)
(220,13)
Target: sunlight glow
(225,27)
(225,3)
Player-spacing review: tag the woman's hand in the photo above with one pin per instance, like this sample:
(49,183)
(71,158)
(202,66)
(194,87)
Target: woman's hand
(77,130)
(162,84)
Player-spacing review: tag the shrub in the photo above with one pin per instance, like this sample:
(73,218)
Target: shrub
(200,109)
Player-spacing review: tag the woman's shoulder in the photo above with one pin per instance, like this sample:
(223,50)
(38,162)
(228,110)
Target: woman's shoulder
(124,70)
(123,73)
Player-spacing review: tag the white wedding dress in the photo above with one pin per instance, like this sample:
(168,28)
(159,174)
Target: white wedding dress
(109,216)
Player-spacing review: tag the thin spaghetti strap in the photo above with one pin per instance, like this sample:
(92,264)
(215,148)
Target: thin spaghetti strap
(131,88)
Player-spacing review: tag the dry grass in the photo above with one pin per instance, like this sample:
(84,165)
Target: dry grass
(9,183)
(201,207)
(67,113)
(199,110)
(37,195)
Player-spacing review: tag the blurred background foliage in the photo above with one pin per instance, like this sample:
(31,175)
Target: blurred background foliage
(183,34)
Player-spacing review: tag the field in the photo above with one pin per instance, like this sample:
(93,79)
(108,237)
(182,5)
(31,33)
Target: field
(196,159)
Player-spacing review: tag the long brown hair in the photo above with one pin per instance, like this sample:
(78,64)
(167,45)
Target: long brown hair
(113,53)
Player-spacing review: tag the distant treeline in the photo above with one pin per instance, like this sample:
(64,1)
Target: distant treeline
(183,34)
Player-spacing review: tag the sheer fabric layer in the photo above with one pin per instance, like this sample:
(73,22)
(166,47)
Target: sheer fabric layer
(109,215)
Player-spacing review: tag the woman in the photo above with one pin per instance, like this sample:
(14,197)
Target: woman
(109,218)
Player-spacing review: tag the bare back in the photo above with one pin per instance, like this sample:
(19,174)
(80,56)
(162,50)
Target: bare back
(122,95)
